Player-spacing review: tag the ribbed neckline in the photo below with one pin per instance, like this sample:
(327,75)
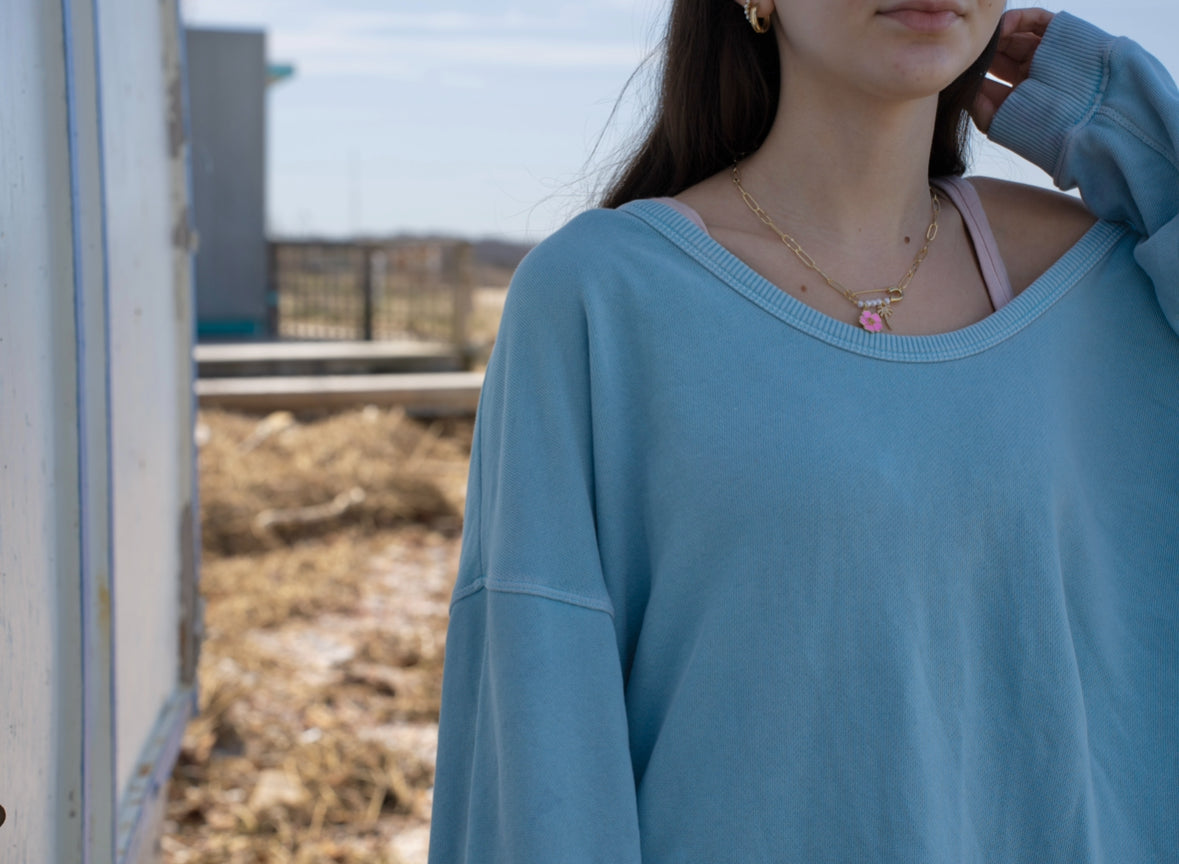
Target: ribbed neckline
(1027,306)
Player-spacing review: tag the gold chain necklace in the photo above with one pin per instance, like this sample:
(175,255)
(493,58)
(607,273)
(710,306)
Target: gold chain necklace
(874,311)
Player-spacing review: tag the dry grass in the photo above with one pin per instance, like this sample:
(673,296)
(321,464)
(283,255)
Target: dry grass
(329,551)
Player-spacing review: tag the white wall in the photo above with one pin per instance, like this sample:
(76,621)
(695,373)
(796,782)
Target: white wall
(40,698)
(96,471)
(144,428)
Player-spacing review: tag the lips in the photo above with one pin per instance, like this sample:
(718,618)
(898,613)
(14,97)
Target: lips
(923,16)
(931,6)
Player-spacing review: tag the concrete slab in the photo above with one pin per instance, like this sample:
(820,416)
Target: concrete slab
(432,393)
(259,359)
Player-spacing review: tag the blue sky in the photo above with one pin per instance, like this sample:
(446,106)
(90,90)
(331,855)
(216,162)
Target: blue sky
(479,118)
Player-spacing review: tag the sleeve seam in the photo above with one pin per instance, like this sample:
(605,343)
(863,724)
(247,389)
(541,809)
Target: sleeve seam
(479,505)
(512,587)
(1143,138)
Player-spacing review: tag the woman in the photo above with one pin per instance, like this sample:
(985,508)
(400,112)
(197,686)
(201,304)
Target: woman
(823,504)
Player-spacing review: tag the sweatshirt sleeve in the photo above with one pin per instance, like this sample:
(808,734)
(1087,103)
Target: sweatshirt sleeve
(533,753)
(1100,114)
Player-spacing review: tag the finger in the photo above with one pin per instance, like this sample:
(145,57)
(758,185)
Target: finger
(982,112)
(990,96)
(1019,47)
(1025,20)
(1006,69)
(994,92)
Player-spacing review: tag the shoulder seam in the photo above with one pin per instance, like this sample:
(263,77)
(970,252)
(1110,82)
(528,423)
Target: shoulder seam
(527,588)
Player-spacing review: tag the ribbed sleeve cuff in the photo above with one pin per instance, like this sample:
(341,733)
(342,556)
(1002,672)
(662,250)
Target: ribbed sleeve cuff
(1065,84)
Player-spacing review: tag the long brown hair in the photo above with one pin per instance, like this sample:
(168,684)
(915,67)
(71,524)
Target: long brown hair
(719,95)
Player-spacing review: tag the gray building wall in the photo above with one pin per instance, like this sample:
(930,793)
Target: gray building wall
(227,93)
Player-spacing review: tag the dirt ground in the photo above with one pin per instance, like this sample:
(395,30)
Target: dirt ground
(329,551)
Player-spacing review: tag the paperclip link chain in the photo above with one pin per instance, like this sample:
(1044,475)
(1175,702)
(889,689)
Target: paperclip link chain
(874,311)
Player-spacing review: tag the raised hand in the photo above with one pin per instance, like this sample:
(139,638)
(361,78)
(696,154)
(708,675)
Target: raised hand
(1020,32)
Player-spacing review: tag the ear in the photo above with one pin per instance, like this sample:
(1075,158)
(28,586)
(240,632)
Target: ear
(765,8)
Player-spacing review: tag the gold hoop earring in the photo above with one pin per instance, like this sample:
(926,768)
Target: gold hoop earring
(759,25)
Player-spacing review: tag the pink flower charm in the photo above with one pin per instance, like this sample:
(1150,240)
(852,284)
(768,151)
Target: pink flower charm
(871,321)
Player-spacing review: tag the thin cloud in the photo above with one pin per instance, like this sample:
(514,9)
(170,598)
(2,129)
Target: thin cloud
(326,42)
(399,57)
(449,22)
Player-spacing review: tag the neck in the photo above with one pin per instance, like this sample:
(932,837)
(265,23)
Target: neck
(854,171)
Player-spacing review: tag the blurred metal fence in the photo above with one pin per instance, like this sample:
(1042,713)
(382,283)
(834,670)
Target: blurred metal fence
(417,290)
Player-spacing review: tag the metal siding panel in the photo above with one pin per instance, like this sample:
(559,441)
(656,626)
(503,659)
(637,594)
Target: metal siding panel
(91,382)
(184,242)
(145,425)
(56,592)
(40,678)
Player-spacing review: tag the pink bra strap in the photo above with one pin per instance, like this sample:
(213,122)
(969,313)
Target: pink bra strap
(683,210)
(994,272)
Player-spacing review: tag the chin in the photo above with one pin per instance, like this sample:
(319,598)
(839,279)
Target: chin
(922,73)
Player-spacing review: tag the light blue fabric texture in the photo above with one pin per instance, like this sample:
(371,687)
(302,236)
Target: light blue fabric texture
(743,583)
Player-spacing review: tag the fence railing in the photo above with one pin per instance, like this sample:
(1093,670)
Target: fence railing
(417,290)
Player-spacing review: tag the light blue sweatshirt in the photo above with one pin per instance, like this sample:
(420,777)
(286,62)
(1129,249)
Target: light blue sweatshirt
(743,583)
